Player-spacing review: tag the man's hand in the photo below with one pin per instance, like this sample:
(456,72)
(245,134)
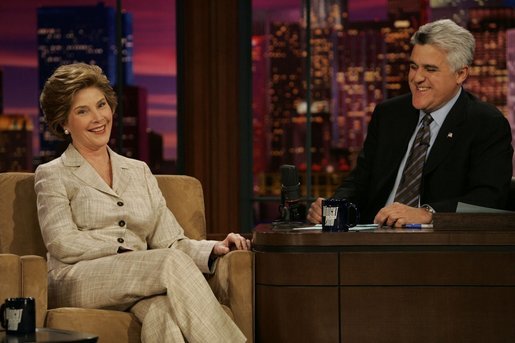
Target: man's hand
(315,212)
(233,241)
(397,214)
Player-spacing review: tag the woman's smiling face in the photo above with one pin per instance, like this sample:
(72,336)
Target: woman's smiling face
(90,120)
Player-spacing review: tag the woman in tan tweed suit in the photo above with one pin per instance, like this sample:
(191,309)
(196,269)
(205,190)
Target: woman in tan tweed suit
(112,242)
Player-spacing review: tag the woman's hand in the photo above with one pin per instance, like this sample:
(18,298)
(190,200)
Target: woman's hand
(233,241)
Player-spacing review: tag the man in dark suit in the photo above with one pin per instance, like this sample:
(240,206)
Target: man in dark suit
(468,153)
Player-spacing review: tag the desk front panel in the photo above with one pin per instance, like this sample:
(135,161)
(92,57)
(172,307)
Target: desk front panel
(389,287)
(297,314)
(427,314)
(315,269)
(463,266)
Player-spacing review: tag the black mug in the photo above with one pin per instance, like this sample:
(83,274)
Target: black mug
(338,215)
(18,316)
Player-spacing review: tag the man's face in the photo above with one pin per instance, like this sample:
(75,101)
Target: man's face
(431,79)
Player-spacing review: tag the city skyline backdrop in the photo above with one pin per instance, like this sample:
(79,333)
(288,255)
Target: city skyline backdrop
(154,51)
(154,65)
(154,59)
(354,66)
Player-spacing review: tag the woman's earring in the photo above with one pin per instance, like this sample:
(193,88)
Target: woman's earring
(66,132)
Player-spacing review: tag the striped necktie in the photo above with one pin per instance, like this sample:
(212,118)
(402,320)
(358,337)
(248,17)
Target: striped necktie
(408,192)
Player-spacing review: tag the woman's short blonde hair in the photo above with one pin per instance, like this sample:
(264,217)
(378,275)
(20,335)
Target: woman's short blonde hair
(60,88)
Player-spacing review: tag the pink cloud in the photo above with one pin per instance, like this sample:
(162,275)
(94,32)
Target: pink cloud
(170,140)
(160,99)
(154,60)
(154,36)
(19,59)
(157,112)
(29,110)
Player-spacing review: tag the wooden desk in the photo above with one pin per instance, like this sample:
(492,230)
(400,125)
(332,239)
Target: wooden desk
(384,286)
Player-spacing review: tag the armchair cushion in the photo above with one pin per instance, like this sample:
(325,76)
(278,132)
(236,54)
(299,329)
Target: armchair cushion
(109,326)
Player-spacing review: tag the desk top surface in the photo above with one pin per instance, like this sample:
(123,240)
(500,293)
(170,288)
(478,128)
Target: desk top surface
(264,235)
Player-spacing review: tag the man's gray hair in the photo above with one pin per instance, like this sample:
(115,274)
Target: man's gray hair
(457,42)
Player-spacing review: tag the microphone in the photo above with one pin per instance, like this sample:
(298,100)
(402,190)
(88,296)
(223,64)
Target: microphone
(292,208)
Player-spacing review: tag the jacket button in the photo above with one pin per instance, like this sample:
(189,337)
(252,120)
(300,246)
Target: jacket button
(121,223)
(119,203)
(120,240)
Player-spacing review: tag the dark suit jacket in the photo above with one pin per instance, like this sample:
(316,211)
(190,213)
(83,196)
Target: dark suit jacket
(470,161)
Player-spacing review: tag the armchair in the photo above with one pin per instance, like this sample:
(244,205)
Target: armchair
(23,265)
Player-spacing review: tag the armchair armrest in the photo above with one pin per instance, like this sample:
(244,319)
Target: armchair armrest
(25,276)
(35,284)
(232,284)
(10,271)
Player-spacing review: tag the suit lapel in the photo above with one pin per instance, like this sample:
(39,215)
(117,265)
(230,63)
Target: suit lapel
(448,133)
(121,174)
(84,171)
(403,133)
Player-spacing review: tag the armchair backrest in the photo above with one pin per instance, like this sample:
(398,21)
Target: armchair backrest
(185,198)
(19,228)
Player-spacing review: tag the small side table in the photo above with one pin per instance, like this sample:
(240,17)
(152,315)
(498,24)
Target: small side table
(46,335)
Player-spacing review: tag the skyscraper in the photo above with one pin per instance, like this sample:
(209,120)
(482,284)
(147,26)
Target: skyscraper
(458,10)
(15,139)
(286,88)
(360,82)
(489,75)
(15,142)
(79,34)
(135,137)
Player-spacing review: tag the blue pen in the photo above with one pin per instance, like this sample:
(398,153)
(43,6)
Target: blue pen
(418,226)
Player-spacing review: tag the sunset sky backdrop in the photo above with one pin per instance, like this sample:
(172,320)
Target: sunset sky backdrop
(154,52)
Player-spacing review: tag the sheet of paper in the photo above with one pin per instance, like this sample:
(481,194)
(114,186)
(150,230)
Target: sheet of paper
(303,228)
(360,227)
(469,208)
(364,227)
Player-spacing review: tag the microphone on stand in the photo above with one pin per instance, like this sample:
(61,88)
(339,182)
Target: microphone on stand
(292,208)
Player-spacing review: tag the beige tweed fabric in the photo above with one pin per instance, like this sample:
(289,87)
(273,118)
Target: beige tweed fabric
(84,222)
(188,307)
